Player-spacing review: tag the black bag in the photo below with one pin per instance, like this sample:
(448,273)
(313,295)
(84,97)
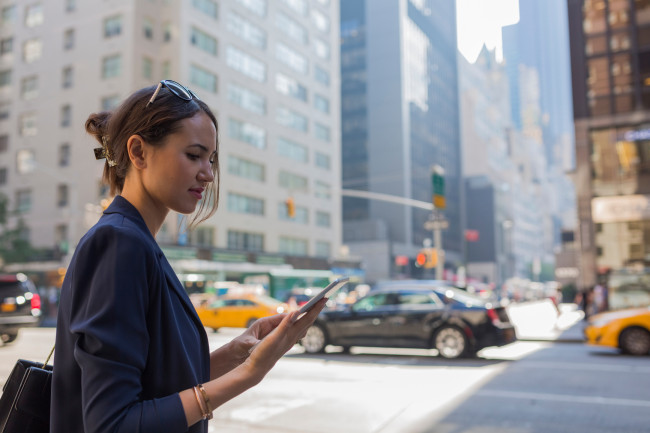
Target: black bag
(25,401)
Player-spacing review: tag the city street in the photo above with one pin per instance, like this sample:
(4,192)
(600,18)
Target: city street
(527,387)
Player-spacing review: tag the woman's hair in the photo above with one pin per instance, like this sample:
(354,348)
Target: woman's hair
(154,123)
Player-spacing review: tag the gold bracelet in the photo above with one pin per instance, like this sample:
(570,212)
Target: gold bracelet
(206,400)
(204,411)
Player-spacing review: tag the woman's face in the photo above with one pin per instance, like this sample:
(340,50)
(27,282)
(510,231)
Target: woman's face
(179,170)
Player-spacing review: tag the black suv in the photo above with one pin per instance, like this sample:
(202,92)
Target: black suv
(20,305)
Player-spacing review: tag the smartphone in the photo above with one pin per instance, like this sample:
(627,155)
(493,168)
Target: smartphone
(325,293)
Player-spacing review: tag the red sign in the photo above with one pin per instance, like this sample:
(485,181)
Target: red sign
(471,235)
(401,260)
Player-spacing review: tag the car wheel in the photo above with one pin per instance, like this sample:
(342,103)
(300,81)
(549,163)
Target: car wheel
(450,342)
(314,340)
(9,337)
(635,341)
(250,322)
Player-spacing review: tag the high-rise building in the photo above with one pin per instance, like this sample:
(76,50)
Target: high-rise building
(399,118)
(610,59)
(268,69)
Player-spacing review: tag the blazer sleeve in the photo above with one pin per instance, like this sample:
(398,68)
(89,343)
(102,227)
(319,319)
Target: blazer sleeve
(114,275)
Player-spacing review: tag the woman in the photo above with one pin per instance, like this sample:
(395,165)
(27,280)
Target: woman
(131,353)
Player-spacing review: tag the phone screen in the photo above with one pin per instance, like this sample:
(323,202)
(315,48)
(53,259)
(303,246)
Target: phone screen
(325,293)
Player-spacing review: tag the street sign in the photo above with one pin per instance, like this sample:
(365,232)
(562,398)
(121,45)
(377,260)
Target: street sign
(438,184)
(436,225)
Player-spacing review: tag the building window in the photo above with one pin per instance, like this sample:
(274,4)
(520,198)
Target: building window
(167,32)
(323,249)
(202,236)
(321,132)
(292,181)
(25,161)
(67,77)
(66,116)
(34,15)
(239,203)
(203,79)
(322,49)
(61,237)
(247,99)
(4,143)
(322,190)
(8,14)
(110,102)
(166,68)
(5,78)
(62,195)
(70,5)
(68,39)
(298,6)
(245,241)
(32,50)
(6,45)
(290,87)
(291,28)
(247,132)
(292,150)
(246,30)
(3,176)
(64,155)
(113,26)
(291,119)
(147,28)
(247,65)
(203,41)
(320,21)
(246,169)
(23,200)
(147,68)
(291,58)
(258,7)
(322,160)
(29,88)
(111,66)
(293,246)
(27,125)
(4,110)
(301,214)
(323,219)
(322,76)
(321,103)
(208,7)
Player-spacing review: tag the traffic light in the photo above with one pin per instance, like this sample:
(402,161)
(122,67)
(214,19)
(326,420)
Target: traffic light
(291,207)
(427,258)
(438,184)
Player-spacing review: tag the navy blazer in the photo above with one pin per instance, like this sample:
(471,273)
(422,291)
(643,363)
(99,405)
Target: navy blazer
(128,338)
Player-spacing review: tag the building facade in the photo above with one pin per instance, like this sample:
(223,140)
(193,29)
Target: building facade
(268,69)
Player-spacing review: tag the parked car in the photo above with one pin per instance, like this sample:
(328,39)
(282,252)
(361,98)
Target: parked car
(414,315)
(627,330)
(238,311)
(20,305)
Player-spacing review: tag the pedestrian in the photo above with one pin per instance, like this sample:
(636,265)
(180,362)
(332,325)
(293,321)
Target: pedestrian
(131,353)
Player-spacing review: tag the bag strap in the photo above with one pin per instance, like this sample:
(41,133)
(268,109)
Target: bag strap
(49,356)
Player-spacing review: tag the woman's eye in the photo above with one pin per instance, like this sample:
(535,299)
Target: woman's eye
(193,157)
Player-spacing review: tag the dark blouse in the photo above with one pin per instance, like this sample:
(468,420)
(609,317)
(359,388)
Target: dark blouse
(128,338)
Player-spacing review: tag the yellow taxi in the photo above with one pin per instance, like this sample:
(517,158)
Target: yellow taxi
(238,311)
(628,330)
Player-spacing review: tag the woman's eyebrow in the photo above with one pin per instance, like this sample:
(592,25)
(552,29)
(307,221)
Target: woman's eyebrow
(203,148)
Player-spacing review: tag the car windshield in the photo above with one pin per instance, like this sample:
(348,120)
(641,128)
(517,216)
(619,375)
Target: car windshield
(461,296)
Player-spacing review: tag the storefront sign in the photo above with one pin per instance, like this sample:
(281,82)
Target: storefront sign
(620,208)
(641,134)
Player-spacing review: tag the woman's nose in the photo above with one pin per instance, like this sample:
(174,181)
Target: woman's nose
(206,175)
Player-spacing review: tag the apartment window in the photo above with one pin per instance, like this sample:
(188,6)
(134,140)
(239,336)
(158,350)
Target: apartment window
(321,132)
(322,160)
(291,119)
(301,214)
(25,161)
(246,169)
(29,88)
(208,7)
(203,79)
(110,102)
(4,110)
(202,236)
(4,143)
(321,103)
(23,200)
(66,116)
(293,246)
(113,26)
(3,175)
(323,219)
(166,68)
(27,125)
(298,6)
(34,15)
(247,65)
(320,21)
(6,45)
(238,240)
(247,99)
(323,249)
(290,87)
(68,39)
(322,76)
(147,68)
(8,14)
(70,5)
(324,2)
(67,77)
(64,155)
(246,30)
(32,50)
(322,189)
(322,49)
(62,195)
(258,7)
(291,58)
(203,41)
(247,132)
(239,203)
(167,32)
(61,237)
(291,28)
(147,28)
(5,78)
(291,181)
(111,66)
(292,150)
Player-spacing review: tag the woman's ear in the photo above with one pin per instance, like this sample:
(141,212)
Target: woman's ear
(136,148)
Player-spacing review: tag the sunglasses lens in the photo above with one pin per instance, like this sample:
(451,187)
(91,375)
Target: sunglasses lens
(179,90)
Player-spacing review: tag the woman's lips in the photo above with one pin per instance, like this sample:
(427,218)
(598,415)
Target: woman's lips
(197,193)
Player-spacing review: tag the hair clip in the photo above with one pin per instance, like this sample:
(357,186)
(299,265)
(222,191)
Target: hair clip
(104,152)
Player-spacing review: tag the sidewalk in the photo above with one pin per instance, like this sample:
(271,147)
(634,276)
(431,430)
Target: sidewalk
(541,321)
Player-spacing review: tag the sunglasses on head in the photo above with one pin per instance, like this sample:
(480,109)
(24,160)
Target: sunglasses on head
(176,88)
